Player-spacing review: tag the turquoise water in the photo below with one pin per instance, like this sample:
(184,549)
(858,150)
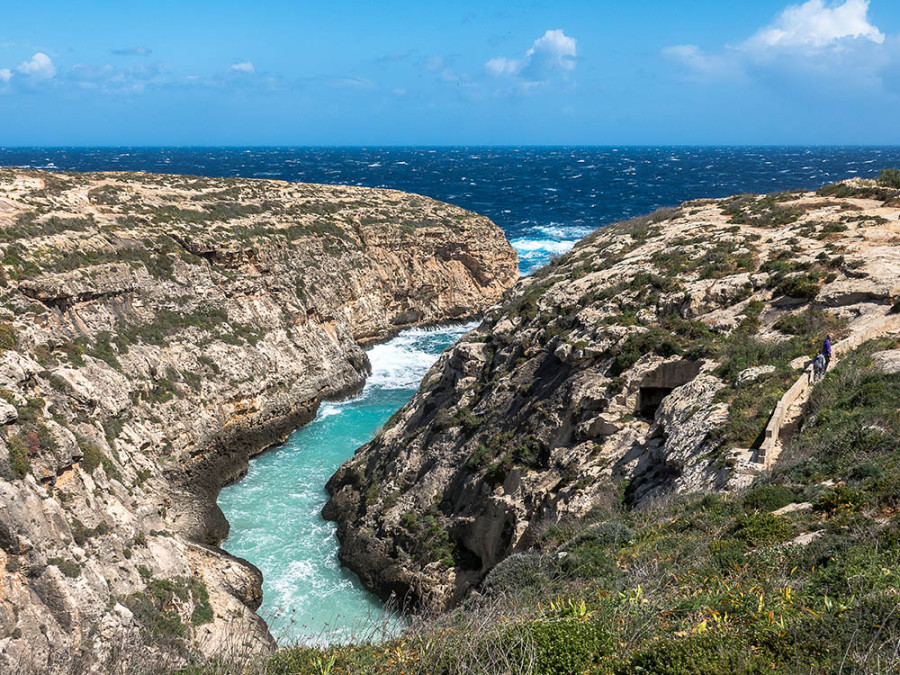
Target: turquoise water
(275,510)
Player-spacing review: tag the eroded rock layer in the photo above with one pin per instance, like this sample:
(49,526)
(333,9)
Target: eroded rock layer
(155,333)
(644,362)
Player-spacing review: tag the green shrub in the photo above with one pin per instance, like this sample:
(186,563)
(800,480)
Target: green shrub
(80,532)
(19,463)
(588,561)
(92,457)
(610,534)
(69,568)
(866,470)
(112,427)
(890,178)
(759,529)
(31,411)
(840,498)
(158,622)
(155,607)
(728,554)
(803,287)
(699,655)
(765,211)
(845,190)
(467,420)
(516,573)
(103,349)
(203,612)
(164,390)
(767,498)
(749,408)
(810,322)
(479,457)
(7,336)
(564,646)
(656,341)
(74,352)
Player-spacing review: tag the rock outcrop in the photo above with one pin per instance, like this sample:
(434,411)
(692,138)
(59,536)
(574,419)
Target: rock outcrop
(155,333)
(636,366)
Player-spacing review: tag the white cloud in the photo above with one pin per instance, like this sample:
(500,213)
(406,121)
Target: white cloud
(809,41)
(242,67)
(701,63)
(555,49)
(40,67)
(5,75)
(552,54)
(814,25)
(503,66)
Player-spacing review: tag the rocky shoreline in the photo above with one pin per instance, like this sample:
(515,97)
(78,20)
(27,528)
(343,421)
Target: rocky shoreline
(156,333)
(642,364)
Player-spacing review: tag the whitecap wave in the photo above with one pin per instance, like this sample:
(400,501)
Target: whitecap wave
(403,362)
(529,247)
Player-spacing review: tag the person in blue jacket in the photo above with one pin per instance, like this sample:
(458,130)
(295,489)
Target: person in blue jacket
(826,352)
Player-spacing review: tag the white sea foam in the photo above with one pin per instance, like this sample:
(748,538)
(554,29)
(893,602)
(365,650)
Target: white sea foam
(528,247)
(403,362)
(329,409)
(559,231)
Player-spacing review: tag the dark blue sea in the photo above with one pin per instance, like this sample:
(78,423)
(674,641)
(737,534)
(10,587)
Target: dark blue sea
(544,198)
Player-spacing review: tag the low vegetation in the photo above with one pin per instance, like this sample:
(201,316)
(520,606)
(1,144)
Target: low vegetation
(884,188)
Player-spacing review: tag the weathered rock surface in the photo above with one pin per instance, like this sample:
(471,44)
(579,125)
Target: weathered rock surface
(631,368)
(888,361)
(156,332)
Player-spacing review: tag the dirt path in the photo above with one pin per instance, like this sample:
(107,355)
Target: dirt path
(789,412)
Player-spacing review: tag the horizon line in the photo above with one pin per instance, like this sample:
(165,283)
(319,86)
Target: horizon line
(448,146)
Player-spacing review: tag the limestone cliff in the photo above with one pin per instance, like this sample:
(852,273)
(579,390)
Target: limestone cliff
(644,362)
(156,332)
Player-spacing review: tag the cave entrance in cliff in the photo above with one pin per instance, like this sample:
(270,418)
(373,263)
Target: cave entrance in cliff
(658,384)
(650,398)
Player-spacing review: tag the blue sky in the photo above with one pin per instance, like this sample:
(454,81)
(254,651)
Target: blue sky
(418,73)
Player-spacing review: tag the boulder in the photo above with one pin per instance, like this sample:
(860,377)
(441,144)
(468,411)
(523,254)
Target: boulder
(887,361)
(753,374)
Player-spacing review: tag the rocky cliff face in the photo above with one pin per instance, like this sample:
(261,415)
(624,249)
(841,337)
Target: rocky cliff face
(155,333)
(639,364)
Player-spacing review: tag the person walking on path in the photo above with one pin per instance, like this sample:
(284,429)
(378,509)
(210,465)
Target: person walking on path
(818,368)
(826,352)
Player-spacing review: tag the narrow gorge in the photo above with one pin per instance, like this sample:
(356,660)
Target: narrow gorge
(157,332)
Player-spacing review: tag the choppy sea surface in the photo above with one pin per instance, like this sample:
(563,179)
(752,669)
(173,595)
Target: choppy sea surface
(545,199)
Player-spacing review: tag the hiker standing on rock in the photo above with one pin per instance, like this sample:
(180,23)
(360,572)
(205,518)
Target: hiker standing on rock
(826,352)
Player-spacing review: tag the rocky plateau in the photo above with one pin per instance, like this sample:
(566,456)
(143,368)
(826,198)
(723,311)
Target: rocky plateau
(155,333)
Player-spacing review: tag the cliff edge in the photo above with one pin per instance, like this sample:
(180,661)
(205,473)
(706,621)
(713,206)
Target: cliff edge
(155,333)
(644,363)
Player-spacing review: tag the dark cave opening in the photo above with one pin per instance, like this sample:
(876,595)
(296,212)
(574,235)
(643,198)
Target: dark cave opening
(655,386)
